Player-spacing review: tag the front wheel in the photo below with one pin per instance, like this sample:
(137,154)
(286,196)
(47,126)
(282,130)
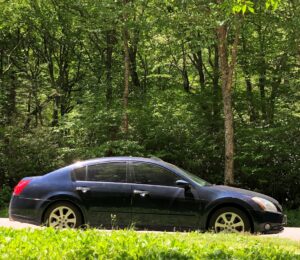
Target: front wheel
(229,219)
(63,215)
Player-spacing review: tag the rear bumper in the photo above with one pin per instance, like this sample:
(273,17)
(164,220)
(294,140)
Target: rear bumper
(26,210)
(22,219)
(268,222)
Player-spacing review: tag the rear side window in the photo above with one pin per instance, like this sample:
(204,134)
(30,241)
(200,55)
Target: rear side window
(147,173)
(107,172)
(79,174)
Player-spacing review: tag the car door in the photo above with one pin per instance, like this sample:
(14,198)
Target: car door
(106,194)
(157,201)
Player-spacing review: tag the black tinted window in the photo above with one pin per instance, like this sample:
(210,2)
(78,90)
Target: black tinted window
(146,173)
(107,172)
(80,174)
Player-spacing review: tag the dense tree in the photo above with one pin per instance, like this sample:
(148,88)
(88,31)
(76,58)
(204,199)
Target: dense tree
(87,78)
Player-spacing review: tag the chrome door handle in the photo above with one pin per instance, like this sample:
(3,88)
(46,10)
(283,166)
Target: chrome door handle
(142,193)
(83,189)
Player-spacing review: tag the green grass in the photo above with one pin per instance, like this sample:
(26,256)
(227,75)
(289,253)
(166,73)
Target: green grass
(94,244)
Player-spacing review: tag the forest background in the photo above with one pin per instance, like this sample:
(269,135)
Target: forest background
(86,78)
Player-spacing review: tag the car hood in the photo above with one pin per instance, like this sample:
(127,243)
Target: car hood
(238,191)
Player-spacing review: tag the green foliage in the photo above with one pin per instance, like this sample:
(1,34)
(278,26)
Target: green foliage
(267,160)
(40,145)
(61,89)
(5,194)
(4,212)
(91,244)
(293,217)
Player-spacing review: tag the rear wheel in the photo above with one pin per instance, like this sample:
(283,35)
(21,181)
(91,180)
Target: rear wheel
(229,219)
(63,215)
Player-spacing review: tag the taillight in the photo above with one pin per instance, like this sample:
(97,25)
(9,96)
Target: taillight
(20,187)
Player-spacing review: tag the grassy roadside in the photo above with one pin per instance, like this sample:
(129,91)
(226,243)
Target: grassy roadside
(94,244)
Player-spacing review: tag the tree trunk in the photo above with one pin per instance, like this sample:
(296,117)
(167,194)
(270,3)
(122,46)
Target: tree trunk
(126,72)
(261,85)
(48,52)
(108,65)
(277,78)
(132,50)
(262,70)
(55,111)
(245,67)
(227,71)
(229,136)
(198,63)
(145,74)
(11,99)
(185,77)
(186,83)
(251,107)
(38,110)
(216,90)
(274,93)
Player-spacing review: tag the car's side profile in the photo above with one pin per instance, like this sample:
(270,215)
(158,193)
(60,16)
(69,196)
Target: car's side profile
(140,192)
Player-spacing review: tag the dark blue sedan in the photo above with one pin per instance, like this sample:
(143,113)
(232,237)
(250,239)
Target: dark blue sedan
(120,192)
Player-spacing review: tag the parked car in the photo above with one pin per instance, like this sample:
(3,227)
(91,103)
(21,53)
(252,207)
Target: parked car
(149,193)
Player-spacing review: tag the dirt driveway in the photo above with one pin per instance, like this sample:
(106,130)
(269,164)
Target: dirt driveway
(4,222)
(291,233)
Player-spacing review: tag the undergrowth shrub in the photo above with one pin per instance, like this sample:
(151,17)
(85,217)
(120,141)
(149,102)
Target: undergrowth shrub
(5,193)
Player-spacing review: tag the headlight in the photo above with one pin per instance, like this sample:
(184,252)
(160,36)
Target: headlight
(265,205)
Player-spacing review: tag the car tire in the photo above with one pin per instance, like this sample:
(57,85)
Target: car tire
(229,219)
(63,215)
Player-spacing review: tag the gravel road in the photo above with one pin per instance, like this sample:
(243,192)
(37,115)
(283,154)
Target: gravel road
(291,233)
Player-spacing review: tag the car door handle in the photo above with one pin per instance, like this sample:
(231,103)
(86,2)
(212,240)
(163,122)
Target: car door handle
(83,189)
(142,193)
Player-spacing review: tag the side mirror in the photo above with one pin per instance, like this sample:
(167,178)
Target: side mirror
(183,184)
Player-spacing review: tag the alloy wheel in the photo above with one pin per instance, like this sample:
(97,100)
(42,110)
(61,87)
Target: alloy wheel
(229,222)
(62,217)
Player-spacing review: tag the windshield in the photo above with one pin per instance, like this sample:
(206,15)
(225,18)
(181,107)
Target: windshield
(192,176)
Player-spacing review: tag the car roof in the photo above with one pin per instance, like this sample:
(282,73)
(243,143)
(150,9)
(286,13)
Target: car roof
(120,158)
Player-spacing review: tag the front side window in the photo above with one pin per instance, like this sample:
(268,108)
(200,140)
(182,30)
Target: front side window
(147,173)
(107,172)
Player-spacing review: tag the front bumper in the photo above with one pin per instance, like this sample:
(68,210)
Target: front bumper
(268,222)
(26,210)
